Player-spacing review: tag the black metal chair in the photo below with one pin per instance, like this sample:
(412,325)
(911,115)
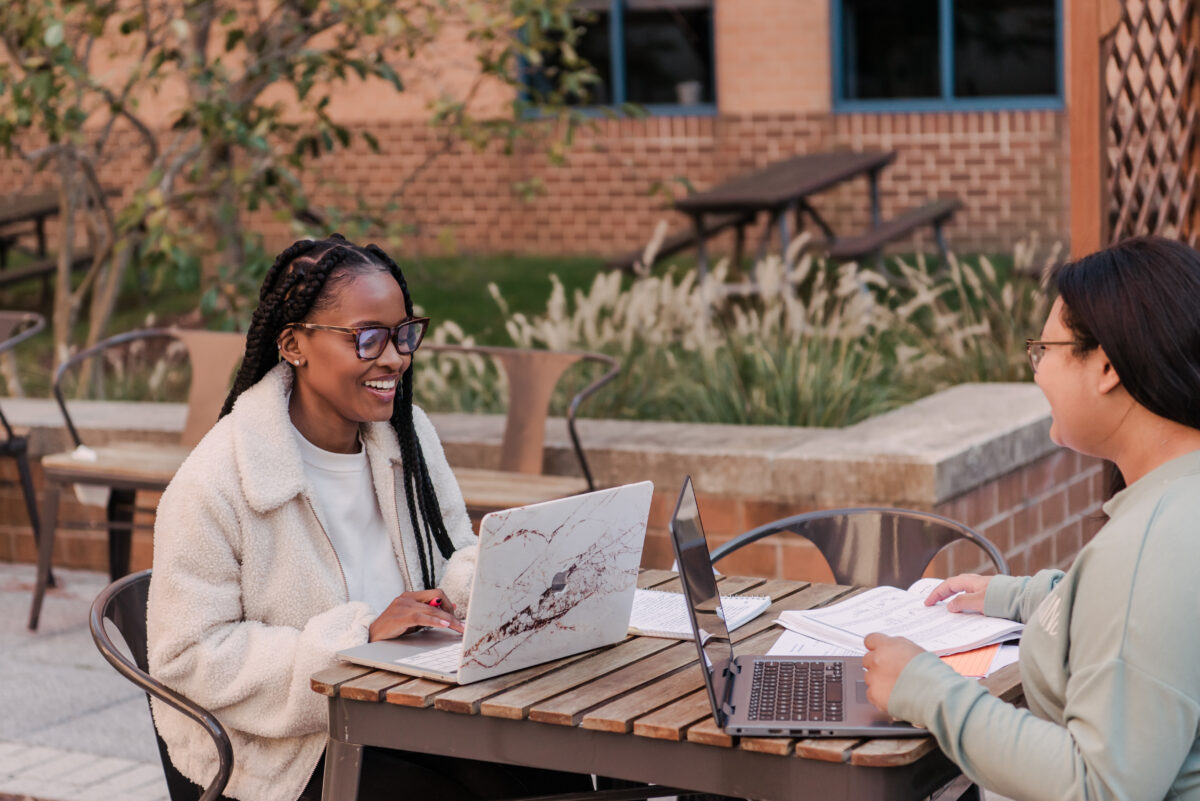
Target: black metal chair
(125,467)
(873,545)
(124,603)
(15,328)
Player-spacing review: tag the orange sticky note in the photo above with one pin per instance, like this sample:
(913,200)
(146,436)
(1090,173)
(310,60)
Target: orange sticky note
(973,663)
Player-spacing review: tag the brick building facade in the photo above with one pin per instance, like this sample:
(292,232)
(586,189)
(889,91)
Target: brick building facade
(772,65)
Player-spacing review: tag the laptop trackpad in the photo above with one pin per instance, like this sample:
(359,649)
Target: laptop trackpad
(860,688)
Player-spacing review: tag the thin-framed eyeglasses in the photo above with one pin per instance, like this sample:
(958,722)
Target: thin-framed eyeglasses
(1035,349)
(370,341)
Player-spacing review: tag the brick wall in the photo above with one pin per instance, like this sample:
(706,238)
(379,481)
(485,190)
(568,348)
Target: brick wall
(1007,167)
(1038,517)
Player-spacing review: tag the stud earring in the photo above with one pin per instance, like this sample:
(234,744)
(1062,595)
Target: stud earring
(297,362)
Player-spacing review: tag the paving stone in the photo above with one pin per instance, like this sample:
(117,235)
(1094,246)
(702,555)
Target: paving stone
(22,759)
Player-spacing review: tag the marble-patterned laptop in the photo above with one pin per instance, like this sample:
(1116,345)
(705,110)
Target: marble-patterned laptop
(552,579)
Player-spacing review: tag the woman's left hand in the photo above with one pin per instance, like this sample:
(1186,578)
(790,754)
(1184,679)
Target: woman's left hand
(886,658)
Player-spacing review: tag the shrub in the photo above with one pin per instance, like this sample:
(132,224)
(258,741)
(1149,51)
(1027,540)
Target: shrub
(815,345)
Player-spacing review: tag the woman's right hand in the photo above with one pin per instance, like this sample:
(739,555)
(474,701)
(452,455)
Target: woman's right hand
(414,610)
(972,586)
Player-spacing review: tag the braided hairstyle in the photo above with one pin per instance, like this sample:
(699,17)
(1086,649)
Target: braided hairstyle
(302,280)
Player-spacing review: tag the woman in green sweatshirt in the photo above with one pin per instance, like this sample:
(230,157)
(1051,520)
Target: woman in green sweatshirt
(1110,657)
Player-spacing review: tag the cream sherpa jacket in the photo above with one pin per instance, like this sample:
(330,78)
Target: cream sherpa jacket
(248,599)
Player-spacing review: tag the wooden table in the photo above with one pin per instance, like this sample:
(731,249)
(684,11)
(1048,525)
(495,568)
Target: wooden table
(636,710)
(35,208)
(783,187)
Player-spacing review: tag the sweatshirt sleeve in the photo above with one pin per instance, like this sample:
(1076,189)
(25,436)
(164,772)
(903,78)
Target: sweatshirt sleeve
(254,676)
(1130,675)
(1101,753)
(1015,597)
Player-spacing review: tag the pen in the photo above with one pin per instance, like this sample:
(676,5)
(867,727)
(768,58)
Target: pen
(435,602)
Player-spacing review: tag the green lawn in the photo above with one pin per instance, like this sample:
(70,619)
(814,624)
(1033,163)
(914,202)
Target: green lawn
(456,288)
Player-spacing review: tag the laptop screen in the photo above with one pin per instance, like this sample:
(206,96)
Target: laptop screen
(700,589)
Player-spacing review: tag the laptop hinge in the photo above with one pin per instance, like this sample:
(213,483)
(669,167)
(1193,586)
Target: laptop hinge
(727,708)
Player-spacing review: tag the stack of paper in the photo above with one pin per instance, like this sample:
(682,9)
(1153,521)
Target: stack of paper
(899,613)
(664,614)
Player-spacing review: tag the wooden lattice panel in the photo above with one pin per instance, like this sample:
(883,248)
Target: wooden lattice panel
(1150,105)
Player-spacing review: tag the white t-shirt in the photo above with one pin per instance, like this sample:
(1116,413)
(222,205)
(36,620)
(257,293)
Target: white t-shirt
(349,512)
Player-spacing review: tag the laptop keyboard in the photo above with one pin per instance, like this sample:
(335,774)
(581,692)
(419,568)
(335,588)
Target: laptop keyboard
(790,690)
(444,660)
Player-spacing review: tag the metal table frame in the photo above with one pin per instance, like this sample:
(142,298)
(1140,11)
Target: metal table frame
(728,771)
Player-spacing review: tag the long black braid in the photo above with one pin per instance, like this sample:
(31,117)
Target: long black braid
(292,287)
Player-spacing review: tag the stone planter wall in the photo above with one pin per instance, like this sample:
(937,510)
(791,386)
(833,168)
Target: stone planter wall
(976,453)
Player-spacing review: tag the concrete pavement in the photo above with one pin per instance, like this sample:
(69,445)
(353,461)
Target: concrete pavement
(72,729)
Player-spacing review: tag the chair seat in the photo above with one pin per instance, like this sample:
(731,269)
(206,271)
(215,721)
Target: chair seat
(490,490)
(132,465)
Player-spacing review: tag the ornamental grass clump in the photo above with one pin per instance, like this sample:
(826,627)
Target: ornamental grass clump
(815,344)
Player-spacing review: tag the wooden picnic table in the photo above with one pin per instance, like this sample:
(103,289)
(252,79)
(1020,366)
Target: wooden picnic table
(636,710)
(18,209)
(35,208)
(784,187)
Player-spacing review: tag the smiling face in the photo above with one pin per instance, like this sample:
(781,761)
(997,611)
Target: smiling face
(1086,406)
(335,390)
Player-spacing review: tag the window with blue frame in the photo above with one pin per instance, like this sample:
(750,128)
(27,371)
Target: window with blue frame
(947,53)
(656,53)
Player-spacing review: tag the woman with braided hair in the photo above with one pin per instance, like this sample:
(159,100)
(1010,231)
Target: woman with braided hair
(318,513)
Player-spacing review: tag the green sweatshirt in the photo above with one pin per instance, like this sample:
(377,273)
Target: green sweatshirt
(1110,663)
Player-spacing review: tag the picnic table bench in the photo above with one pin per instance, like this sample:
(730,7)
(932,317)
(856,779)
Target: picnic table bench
(16,213)
(636,710)
(785,189)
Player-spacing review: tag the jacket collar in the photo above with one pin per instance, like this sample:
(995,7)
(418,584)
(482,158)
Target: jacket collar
(266,453)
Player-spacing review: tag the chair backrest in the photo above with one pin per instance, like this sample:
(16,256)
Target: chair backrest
(124,603)
(15,328)
(532,376)
(873,546)
(213,356)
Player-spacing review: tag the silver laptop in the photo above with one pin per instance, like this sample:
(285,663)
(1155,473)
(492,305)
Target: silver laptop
(792,696)
(552,579)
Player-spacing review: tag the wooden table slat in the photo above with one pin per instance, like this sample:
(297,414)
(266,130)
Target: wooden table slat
(515,703)
(739,585)
(326,682)
(883,752)
(568,708)
(418,692)
(707,732)
(371,686)
(776,746)
(619,715)
(672,721)
(650,579)
(1005,683)
(466,699)
(826,749)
